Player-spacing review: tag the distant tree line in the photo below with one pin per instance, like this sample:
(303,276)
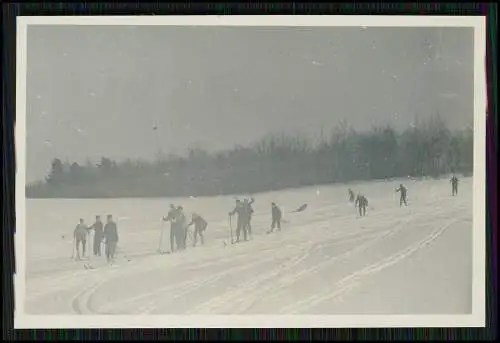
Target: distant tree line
(275,162)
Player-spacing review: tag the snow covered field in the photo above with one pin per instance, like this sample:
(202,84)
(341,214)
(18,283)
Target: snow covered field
(414,260)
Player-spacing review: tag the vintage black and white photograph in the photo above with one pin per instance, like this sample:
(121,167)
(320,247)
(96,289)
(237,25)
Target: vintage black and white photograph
(227,168)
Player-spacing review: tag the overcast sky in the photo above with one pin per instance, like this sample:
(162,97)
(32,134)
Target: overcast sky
(99,91)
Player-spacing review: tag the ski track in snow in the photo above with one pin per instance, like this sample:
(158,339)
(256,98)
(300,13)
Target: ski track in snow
(316,264)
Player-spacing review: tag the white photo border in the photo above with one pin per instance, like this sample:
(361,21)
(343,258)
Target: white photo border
(476,319)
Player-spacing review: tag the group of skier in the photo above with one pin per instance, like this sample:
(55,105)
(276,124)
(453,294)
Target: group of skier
(179,228)
(107,234)
(104,234)
(361,202)
(244,212)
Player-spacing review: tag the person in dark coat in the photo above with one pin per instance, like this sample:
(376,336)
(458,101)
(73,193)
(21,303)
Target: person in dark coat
(361,203)
(98,235)
(454,185)
(242,220)
(248,214)
(171,218)
(80,238)
(351,195)
(402,199)
(276,217)
(181,228)
(111,238)
(200,225)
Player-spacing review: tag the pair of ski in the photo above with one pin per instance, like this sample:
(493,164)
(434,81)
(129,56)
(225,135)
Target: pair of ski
(234,241)
(85,260)
(230,236)
(89,266)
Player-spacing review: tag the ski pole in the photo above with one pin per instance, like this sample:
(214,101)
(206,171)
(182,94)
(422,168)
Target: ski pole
(73,248)
(191,237)
(160,243)
(231,229)
(90,249)
(121,253)
(88,246)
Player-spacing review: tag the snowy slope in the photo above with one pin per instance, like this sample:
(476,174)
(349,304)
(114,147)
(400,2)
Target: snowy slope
(326,260)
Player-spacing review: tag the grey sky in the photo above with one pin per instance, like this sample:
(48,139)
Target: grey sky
(98,91)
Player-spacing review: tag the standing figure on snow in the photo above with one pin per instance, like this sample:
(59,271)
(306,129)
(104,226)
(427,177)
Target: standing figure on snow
(351,195)
(200,226)
(111,238)
(170,218)
(181,228)
(249,212)
(80,237)
(242,221)
(361,203)
(276,217)
(98,235)
(454,185)
(402,200)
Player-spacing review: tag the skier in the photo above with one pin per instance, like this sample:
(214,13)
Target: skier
(181,228)
(111,238)
(351,195)
(248,214)
(242,220)
(200,226)
(361,203)
(454,185)
(402,199)
(276,217)
(98,235)
(171,218)
(80,237)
